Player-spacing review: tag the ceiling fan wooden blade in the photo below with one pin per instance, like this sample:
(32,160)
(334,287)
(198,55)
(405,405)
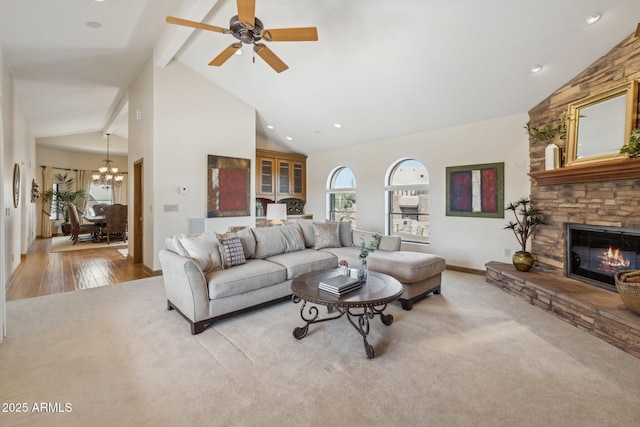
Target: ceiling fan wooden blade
(269,57)
(193,24)
(638,30)
(247,11)
(225,54)
(303,34)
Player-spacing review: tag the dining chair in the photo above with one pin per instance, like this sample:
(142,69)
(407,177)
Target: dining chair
(116,222)
(77,228)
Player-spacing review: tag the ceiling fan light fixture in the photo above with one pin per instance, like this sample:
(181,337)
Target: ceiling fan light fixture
(593,18)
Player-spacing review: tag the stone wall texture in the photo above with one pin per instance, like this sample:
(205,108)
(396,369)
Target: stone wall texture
(613,203)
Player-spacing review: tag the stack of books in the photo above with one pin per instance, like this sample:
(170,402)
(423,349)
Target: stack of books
(339,285)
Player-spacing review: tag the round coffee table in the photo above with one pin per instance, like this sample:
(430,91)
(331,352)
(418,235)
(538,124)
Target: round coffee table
(359,305)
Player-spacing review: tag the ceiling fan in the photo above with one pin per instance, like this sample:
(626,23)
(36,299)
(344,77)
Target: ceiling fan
(250,30)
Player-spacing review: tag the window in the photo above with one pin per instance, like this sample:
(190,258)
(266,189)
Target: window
(55,211)
(342,196)
(407,194)
(98,195)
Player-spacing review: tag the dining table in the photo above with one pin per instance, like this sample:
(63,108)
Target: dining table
(100,221)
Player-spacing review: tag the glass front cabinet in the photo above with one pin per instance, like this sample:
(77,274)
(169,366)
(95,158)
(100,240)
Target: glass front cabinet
(280,175)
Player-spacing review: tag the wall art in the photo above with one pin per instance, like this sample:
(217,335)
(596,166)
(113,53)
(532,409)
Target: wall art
(476,190)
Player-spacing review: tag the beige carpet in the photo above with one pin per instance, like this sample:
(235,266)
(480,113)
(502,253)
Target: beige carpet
(63,243)
(473,356)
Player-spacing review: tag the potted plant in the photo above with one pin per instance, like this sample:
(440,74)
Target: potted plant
(537,134)
(365,250)
(527,219)
(64,192)
(633,147)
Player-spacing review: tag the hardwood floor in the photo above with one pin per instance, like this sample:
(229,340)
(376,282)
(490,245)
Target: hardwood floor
(43,273)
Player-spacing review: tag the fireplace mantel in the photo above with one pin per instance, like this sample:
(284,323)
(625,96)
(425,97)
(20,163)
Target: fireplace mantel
(598,171)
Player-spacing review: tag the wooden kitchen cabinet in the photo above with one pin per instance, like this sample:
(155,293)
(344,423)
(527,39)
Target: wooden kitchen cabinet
(281,175)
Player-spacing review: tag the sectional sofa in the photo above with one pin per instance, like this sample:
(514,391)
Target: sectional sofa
(210,276)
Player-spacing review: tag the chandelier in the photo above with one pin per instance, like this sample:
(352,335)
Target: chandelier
(108,176)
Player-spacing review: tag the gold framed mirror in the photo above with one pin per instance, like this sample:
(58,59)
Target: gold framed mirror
(601,124)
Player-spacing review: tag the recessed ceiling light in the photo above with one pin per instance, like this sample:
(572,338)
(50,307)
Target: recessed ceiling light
(93,24)
(593,18)
(337,125)
(270,127)
(289,138)
(536,68)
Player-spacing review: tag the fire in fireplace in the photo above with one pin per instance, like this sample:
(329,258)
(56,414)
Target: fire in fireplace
(596,254)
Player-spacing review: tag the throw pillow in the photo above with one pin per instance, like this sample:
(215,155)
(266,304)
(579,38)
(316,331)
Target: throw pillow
(247,238)
(203,248)
(231,252)
(174,245)
(326,235)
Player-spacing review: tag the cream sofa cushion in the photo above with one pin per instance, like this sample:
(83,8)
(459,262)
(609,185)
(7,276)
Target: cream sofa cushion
(203,248)
(278,240)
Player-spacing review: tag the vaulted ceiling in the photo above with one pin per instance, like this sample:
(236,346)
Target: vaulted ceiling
(380,68)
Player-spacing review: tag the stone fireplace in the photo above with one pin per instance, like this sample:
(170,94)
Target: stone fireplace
(596,254)
(601,201)
(604,194)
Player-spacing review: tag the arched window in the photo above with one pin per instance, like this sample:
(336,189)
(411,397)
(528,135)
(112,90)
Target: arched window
(407,193)
(341,195)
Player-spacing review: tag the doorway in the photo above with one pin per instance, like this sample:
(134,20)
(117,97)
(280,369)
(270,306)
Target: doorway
(138,210)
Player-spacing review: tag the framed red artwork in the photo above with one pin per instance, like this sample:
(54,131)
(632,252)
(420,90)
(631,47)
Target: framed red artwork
(476,190)
(229,186)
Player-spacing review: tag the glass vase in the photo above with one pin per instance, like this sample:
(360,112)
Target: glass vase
(363,270)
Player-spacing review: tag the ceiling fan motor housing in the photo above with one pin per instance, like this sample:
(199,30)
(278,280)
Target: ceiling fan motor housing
(244,32)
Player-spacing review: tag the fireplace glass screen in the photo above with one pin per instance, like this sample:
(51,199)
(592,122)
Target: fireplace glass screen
(596,254)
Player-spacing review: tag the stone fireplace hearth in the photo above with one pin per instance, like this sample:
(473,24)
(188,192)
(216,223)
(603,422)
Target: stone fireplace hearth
(590,308)
(596,254)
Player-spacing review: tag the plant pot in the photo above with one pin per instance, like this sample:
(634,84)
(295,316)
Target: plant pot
(522,261)
(65,227)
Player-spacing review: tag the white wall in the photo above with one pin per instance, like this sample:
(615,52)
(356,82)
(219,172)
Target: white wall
(192,118)
(463,242)
(17,146)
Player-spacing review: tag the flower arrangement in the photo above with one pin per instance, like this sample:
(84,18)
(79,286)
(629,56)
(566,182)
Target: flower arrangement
(344,267)
(372,246)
